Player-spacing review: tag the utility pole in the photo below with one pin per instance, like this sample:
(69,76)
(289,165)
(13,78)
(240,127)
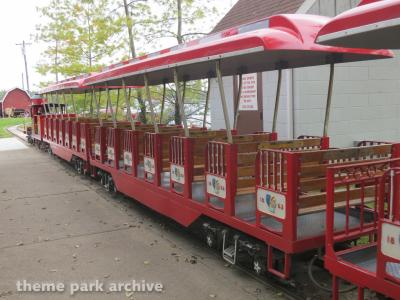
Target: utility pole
(23,49)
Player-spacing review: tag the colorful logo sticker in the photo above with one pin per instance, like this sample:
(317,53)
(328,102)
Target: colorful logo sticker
(177,174)
(216,186)
(271,203)
(390,240)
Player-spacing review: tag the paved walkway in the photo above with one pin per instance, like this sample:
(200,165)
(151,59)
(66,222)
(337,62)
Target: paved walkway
(56,226)
(9,144)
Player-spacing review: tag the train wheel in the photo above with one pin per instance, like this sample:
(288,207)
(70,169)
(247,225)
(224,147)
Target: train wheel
(111,185)
(210,240)
(259,264)
(102,179)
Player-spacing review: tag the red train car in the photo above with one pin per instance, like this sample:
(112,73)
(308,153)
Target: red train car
(375,263)
(253,194)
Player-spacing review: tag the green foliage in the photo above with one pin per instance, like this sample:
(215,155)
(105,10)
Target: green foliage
(182,20)
(2,93)
(81,36)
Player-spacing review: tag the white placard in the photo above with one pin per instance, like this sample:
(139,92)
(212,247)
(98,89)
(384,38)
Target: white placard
(248,98)
(97,149)
(216,186)
(110,153)
(73,141)
(271,203)
(390,240)
(178,174)
(67,138)
(149,166)
(127,158)
(83,144)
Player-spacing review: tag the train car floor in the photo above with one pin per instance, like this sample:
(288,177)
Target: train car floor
(366,259)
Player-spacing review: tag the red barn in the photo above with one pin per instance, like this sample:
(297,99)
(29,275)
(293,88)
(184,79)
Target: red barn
(16,101)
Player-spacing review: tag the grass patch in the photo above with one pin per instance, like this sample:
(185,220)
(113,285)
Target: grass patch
(8,122)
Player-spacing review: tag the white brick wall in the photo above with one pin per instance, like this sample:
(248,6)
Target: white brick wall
(366,95)
(365,103)
(217,115)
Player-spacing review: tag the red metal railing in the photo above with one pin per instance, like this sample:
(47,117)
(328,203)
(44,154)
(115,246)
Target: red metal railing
(296,180)
(272,170)
(76,136)
(61,132)
(99,143)
(113,146)
(364,178)
(68,134)
(54,129)
(389,225)
(216,158)
(177,150)
(152,158)
(130,151)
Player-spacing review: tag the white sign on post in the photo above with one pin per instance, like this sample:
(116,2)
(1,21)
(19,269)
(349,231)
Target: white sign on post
(248,99)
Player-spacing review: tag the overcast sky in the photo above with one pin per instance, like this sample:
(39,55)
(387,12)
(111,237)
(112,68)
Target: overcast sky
(17,23)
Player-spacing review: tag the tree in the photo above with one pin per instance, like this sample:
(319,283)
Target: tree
(81,36)
(136,17)
(181,20)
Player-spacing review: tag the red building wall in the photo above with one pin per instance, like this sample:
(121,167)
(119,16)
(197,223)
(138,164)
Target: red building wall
(17,99)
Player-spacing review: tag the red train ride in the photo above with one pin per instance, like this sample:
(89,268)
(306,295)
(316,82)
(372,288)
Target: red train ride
(253,195)
(374,264)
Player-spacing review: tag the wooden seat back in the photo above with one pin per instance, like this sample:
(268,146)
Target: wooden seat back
(312,179)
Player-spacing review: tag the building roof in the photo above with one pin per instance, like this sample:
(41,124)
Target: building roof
(246,11)
(13,89)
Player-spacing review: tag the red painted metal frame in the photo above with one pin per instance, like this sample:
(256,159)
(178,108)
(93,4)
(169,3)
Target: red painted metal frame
(180,208)
(363,174)
(367,13)
(285,36)
(181,156)
(374,24)
(285,157)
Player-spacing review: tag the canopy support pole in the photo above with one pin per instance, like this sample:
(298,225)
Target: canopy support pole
(239,95)
(59,106)
(206,105)
(153,117)
(91,103)
(329,99)
(277,99)
(44,104)
(84,104)
(223,100)
(180,101)
(73,105)
(116,107)
(98,109)
(109,103)
(128,107)
(53,101)
(65,105)
(163,103)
